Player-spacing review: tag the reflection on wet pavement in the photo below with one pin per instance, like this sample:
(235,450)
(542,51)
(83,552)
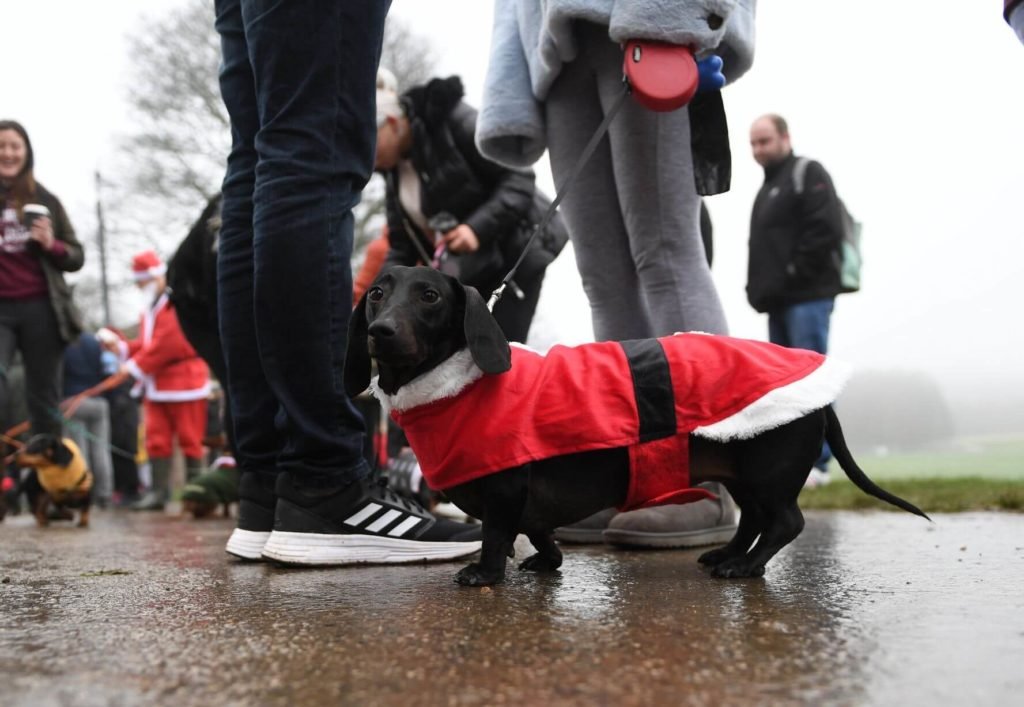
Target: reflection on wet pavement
(862,609)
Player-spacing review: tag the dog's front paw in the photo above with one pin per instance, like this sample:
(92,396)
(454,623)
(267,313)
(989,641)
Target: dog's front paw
(475,575)
(737,567)
(541,563)
(714,557)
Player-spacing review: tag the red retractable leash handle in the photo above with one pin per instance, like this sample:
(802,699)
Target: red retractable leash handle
(661,77)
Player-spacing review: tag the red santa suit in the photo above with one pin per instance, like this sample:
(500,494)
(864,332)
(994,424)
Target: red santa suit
(647,396)
(174,381)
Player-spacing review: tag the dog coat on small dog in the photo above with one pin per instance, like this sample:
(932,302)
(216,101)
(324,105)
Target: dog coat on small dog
(59,480)
(647,395)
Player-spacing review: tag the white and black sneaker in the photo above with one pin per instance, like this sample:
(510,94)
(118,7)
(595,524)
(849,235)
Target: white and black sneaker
(256,501)
(361,523)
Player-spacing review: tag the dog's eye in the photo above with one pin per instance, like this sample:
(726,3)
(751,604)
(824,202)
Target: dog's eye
(375,294)
(430,296)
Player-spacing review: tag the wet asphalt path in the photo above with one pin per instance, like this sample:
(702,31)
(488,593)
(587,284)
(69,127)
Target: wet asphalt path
(863,609)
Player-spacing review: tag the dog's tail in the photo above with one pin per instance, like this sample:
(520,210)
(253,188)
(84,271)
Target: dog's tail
(834,435)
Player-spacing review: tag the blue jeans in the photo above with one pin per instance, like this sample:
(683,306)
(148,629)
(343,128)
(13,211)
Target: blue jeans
(804,326)
(298,80)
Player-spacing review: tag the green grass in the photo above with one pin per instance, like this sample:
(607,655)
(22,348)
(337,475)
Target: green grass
(990,458)
(930,495)
(969,475)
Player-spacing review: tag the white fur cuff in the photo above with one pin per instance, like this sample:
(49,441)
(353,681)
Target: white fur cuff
(782,405)
(446,380)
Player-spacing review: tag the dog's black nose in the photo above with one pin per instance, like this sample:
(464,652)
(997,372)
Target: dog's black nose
(381,329)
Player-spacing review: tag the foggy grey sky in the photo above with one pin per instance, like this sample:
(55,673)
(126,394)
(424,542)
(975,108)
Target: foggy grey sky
(916,109)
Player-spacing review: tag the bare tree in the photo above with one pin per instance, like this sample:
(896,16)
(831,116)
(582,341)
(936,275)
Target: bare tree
(172,162)
(409,56)
(183,132)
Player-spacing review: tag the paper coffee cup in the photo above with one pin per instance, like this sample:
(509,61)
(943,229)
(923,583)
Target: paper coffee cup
(30,212)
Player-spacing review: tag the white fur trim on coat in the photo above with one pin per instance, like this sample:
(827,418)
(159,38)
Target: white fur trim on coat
(176,396)
(147,385)
(782,405)
(151,273)
(446,380)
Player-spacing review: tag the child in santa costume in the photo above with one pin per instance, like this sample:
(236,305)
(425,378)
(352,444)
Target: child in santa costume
(173,379)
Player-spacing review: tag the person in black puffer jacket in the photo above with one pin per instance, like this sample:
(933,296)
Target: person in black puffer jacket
(450,207)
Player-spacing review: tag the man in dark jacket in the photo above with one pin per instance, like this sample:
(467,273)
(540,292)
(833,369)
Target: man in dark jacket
(89,425)
(795,244)
(449,206)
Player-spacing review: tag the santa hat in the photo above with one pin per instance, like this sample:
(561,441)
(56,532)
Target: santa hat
(147,265)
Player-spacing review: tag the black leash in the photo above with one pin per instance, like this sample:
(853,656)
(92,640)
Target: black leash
(560,193)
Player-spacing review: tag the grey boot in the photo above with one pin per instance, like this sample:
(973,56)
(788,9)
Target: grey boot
(690,525)
(193,469)
(590,530)
(159,491)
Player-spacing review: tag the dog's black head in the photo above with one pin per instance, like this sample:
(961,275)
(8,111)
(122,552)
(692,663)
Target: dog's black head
(412,319)
(45,449)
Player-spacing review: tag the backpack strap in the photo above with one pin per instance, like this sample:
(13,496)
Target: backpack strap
(800,174)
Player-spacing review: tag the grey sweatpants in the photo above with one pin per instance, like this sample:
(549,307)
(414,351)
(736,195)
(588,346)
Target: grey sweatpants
(89,426)
(633,214)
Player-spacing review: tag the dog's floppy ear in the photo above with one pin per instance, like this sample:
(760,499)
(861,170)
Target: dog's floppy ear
(485,339)
(62,454)
(357,354)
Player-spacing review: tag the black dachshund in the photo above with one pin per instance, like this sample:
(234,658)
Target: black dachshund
(63,475)
(446,371)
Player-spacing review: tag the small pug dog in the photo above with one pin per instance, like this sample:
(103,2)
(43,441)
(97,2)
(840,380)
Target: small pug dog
(62,473)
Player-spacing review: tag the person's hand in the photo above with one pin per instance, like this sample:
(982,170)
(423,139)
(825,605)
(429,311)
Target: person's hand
(462,239)
(108,339)
(709,73)
(42,232)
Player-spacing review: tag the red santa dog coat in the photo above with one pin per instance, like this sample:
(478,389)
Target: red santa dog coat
(647,395)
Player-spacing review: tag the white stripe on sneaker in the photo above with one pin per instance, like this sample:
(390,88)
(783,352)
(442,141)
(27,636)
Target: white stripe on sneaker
(359,516)
(405,526)
(384,521)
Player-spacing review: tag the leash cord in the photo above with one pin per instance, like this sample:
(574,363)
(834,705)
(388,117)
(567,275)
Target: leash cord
(64,413)
(581,162)
(409,230)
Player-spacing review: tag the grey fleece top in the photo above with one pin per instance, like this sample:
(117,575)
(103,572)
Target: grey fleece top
(533,39)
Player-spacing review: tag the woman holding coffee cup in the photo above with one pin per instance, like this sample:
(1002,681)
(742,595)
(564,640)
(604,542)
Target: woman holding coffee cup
(37,246)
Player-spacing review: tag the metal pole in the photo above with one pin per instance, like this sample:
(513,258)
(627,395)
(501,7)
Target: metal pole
(101,240)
